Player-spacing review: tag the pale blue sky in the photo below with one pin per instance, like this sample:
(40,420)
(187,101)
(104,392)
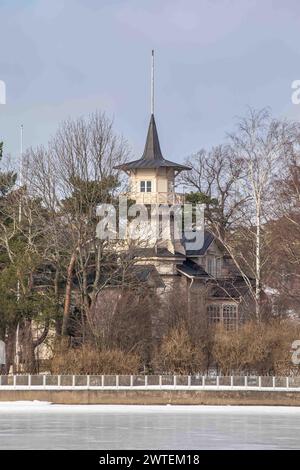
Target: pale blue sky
(213,58)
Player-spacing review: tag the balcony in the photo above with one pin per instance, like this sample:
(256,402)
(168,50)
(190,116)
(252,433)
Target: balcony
(157,198)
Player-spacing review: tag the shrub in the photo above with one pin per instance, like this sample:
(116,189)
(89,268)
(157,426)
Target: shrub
(260,348)
(177,354)
(92,360)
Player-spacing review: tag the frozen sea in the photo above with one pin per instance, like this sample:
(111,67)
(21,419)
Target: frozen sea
(38,425)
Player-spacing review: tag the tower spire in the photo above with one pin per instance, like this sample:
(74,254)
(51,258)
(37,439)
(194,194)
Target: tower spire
(152,82)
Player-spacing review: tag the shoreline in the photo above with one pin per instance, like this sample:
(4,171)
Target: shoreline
(155,397)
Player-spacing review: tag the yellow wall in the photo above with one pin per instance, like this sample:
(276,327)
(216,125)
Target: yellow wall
(162,179)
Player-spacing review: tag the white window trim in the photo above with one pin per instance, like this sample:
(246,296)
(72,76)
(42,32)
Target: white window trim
(145,181)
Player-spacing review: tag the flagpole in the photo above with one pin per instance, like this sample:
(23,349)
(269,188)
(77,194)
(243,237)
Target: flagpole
(152,82)
(17,358)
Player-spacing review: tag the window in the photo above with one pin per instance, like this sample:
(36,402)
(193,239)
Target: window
(227,314)
(230,316)
(146,186)
(211,266)
(214,313)
(219,267)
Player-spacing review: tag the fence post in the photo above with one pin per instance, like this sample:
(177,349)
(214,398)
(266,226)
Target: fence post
(259,382)
(88,381)
(44,381)
(287,382)
(231,381)
(73,381)
(146,381)
(160,381)
(273,381)
(117,381)
(14,381)
(246,381)
(58,380)
(203,381)
(189,381)
(174,381)
(131,381)
(29,381)
(218,381)
(102,380)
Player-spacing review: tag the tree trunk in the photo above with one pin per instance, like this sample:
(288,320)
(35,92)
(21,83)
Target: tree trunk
(10,348)
(67,304)
(27,347)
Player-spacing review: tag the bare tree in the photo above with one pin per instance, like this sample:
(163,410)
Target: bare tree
(284,231)
(262,144)
(216,176)
(72,176)
(236,183)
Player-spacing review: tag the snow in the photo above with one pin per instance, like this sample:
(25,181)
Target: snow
(23,405)
(271,291)
(168,408)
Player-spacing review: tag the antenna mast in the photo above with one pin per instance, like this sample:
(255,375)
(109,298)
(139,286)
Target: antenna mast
(152,82)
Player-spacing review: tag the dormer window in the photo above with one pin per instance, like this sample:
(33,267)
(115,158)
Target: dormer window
(146,186)
(211,266)
(219,267)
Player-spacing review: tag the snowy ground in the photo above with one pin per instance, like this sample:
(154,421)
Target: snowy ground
(40,425)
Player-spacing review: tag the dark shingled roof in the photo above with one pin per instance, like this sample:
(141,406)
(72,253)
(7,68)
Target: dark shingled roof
(229,288)
(233,288)
(132,276)
(148,273)
(152,156)
(208,239)
(192,269)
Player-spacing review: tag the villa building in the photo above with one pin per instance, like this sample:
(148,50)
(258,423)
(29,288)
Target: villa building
(152,182)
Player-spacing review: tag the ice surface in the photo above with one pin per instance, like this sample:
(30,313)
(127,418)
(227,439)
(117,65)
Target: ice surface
(41,425)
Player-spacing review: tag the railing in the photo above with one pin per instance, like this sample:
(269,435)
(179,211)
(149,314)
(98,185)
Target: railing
(147,382)
(157,198)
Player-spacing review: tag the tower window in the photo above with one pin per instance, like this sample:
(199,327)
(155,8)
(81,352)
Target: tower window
(146,186)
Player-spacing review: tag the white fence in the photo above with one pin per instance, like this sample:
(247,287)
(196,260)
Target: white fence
(147,382)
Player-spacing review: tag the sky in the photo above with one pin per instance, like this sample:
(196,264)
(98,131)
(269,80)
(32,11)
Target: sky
(213,58)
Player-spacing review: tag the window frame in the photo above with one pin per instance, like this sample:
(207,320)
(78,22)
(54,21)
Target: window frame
(225,313)
(145,185)
(211,265)
(219,265)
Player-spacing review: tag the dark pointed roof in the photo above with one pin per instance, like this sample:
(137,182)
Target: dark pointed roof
(152,156)
(208,239)
(152,148)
